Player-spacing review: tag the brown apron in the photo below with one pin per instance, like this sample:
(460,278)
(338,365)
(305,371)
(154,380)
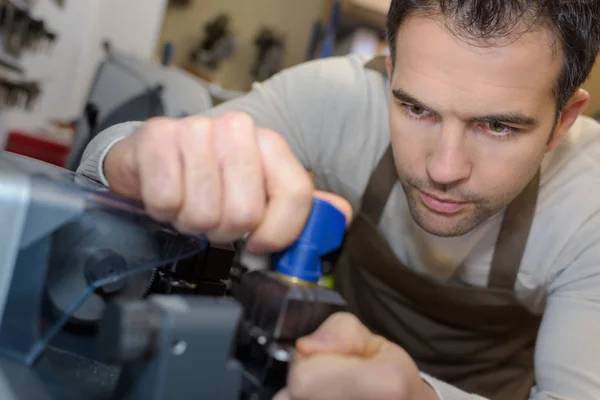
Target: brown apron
(480,340)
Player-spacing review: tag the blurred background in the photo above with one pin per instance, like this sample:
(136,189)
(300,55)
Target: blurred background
(69,68)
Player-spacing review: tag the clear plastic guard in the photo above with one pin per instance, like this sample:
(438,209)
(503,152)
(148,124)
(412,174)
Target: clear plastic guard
(151,246)
(170,247)
(98,252)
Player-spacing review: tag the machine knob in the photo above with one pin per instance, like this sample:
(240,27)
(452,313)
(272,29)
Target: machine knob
(105,264)
(129,331)
(322,234)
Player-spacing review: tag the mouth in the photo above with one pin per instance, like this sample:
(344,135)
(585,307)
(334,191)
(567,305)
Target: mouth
(441,205)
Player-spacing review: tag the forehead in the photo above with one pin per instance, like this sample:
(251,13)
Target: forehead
(518,73)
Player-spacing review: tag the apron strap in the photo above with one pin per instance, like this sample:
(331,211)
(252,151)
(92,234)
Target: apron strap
(384,177)
(380,187)
(512,239)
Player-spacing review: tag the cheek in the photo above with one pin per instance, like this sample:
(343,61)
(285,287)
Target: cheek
(515,154)
(503,169)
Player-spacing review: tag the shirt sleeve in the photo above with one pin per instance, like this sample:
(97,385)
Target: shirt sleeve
(567,362)
(446,391)
(92,160)
(308,105)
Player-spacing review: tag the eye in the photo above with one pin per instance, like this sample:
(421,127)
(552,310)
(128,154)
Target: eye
(499,129)
(416,110)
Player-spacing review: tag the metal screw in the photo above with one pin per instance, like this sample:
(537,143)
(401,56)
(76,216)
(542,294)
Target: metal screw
(179,347)
(281,355)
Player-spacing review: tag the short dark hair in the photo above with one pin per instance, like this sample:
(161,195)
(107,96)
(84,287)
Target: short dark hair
(575,24)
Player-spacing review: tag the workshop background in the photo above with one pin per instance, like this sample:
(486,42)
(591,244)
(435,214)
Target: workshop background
(69,68)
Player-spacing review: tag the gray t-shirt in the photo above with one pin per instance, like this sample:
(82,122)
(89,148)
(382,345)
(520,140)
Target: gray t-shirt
(334,115)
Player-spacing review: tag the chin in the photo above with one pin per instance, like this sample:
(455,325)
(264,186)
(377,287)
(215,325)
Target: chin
(440,228)
(444,225)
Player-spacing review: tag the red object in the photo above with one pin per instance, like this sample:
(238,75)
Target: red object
(38,147)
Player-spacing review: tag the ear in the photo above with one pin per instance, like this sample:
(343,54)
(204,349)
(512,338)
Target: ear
(575,107)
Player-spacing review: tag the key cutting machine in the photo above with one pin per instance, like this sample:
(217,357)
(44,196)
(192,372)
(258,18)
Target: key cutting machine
(84,313)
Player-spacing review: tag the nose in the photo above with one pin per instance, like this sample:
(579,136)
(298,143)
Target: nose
(448,163)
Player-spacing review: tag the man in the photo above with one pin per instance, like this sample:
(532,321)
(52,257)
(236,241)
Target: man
(481,218)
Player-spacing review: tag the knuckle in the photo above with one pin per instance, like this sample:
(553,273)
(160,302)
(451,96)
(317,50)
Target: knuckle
(245,218)
(346,321)
(156,126)
(238,119)
(272,142)
(193,221)
(158,121)
(161,207)
(155,133)
(195,125)
(302,189)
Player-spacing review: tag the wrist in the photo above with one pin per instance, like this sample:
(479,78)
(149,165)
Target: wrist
(117,166)
(110,162)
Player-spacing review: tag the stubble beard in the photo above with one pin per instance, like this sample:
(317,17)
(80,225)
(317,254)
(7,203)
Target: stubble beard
(462,226)
(480,209)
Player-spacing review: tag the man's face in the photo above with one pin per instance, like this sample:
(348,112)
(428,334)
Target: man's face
(469,124)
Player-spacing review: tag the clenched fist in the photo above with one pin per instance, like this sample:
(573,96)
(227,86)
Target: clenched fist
(343,360)
(222,177)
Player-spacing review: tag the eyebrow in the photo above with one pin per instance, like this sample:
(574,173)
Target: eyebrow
(404,97)
(507,118)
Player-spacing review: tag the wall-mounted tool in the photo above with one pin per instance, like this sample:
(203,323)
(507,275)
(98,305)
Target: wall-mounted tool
(217,45)
(270,51)
(19,31)
(19,94)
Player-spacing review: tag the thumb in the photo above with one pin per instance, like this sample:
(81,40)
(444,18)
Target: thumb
(338,202)
(342,333)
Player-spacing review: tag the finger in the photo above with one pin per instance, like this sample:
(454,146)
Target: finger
(242,179)
(342,333)
(338,202)
(336,377)
(329,377)
(282,395)
(290,195)
(159,169)
(201,206)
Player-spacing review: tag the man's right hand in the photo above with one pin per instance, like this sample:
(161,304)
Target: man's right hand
(222,177)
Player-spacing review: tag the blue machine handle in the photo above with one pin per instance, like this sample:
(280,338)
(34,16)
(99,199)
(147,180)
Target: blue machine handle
(322,234)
